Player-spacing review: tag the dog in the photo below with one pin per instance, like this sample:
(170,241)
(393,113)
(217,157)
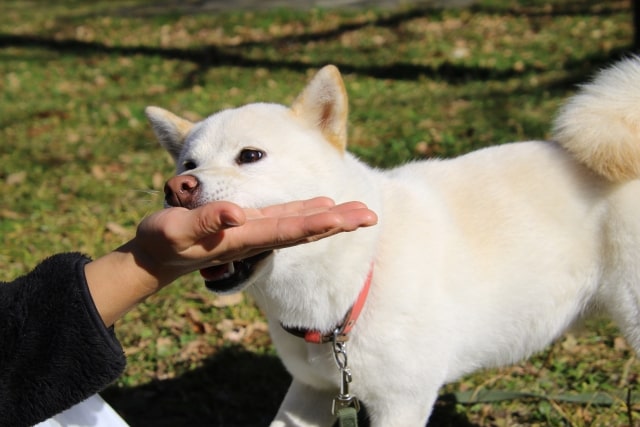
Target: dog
(477,261)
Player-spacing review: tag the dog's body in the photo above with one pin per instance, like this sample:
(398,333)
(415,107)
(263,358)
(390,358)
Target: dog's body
(478,261)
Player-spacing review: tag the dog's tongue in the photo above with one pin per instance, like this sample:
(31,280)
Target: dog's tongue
(217,272)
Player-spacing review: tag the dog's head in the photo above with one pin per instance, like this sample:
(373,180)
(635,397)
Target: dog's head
(258,155)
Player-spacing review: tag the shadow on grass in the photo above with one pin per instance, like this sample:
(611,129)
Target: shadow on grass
(211,56)
(235,388)
(495,102)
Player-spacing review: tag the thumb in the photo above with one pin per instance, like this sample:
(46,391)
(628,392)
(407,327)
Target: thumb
(215,217)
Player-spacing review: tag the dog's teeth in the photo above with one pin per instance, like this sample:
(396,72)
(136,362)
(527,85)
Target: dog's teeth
(230,270)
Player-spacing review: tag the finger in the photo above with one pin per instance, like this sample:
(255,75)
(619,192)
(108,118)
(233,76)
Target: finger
(286,230)
(275,233)
(356,216)
(348,206)
(347,220)
(214,217)
(270,233)
(292,208)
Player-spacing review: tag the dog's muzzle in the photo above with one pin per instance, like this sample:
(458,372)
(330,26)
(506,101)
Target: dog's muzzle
(231,276)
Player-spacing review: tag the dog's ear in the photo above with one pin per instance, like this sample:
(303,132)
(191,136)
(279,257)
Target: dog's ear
(323,104)
(170,129)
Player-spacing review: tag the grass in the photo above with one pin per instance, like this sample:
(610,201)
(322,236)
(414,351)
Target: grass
(79,166)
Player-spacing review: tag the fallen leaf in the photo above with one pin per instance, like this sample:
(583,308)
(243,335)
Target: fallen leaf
(194,317)
(98,172)
(196,350)
(228,300)
(117,229)
(620,343)
(8,214)
(16,178)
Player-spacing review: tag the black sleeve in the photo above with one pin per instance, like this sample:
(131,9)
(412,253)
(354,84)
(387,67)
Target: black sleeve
(54,348)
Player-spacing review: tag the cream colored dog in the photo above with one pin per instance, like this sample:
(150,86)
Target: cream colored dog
(477,261)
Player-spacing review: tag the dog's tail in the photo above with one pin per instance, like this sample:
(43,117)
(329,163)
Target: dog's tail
(600,125)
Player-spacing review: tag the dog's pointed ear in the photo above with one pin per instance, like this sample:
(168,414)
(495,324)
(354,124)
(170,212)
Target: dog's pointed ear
(324,104)
(170,129)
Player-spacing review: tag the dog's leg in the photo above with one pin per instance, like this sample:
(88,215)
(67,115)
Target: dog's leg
(620,292)
(304,406)
(407,410)
(623,306)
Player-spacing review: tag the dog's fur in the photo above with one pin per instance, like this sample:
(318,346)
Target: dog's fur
(479,261)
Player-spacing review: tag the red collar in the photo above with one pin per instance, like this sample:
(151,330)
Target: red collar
(342,330)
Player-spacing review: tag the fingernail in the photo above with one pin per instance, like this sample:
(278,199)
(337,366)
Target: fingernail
(228,221)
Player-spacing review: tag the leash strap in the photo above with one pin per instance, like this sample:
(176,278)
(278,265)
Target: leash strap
(348,417)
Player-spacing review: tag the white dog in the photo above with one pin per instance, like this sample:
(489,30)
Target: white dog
(476,262)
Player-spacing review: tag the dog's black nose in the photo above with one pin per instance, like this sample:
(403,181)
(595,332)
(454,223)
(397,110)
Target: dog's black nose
(182,190)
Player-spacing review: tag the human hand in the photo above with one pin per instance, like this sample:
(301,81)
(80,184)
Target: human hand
(176,241)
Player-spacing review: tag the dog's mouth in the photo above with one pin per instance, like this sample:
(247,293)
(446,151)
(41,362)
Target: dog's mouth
(229,277)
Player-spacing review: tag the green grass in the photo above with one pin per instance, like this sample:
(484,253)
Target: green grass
(80,167)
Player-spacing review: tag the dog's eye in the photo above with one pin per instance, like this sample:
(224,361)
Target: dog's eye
(249,155)
(189,165)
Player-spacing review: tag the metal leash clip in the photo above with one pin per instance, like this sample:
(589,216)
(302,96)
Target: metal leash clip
(343,399)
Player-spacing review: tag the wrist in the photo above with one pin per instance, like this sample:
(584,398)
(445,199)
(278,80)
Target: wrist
(121,279)
(151,273)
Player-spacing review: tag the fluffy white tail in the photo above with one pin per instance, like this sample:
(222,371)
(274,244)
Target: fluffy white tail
(600,125)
